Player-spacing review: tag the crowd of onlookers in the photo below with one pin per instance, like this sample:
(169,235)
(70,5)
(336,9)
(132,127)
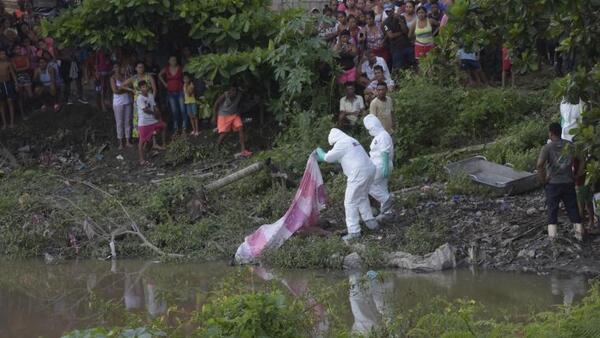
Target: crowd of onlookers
(145,98)
(373,38)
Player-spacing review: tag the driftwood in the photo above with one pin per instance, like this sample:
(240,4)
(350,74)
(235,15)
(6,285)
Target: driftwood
(477,147)
(113,230)
(236,176)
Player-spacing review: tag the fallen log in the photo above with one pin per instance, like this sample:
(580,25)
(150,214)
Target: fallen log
(236,176)
(453,152)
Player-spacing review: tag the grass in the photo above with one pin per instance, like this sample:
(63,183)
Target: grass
(309,252)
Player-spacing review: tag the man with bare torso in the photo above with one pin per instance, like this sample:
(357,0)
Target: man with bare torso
(8,94)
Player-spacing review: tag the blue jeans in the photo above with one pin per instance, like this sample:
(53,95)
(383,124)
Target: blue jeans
(177,108)
(403,58)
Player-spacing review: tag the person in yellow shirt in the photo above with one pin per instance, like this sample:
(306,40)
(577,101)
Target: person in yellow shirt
(191,105)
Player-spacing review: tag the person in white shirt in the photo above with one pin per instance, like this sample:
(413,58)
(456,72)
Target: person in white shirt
(367,68)
(149,122)
(371,90)
(351,106)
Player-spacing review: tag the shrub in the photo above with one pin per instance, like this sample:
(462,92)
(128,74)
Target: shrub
(520,146)
(164,203)
(484,113)
(262,314)
(423,111)
(179,151)
(432,117)
(305,132)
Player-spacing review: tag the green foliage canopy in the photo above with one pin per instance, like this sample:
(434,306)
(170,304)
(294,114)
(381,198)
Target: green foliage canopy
(520,24)
(275,54)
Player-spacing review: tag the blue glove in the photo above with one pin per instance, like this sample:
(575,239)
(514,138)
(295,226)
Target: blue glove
(385,169)
(320,154)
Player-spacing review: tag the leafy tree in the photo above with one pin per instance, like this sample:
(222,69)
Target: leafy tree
(522,23)
(274,54)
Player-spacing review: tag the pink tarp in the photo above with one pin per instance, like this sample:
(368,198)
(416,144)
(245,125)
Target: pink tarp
(303,212)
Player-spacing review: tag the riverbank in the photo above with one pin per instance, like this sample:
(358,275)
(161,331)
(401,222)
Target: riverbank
(75,191)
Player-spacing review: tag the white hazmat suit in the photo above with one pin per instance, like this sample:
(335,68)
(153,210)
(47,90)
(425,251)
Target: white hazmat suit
(382,152)
(359,170)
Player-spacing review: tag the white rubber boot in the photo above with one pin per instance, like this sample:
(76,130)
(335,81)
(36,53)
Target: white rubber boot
(552,228)
(578,227)
(372,224)
(349,238)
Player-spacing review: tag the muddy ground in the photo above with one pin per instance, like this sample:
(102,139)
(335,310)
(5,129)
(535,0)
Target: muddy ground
(504,233)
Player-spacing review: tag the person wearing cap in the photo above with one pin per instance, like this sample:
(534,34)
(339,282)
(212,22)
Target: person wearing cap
(396,31)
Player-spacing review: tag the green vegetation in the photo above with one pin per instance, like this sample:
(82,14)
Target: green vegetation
(274,55)
(310,252)
(445,117)
(254,315)
(235,312)
(424,236)
(520,146)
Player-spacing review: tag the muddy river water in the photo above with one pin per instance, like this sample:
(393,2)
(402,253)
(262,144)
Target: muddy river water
(37,299)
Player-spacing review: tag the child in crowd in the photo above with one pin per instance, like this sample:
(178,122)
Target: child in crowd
(226,116)
(45,85)
(191,106)
(149,122)
(469,62)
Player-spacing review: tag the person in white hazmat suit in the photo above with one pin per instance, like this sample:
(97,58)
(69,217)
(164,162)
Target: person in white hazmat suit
(382,152)
(360,172)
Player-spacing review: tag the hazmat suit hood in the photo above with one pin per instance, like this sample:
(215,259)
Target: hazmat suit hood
(373,125)
(335,135)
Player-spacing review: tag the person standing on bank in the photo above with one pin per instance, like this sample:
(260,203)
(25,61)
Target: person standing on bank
(554,167)
(360,171)
(382,156)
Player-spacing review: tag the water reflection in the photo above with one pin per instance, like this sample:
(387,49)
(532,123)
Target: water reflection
(369,300)
(569,287)
(46,300)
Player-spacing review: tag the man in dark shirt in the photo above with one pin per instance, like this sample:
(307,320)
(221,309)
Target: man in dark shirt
(396,33)
(559,184)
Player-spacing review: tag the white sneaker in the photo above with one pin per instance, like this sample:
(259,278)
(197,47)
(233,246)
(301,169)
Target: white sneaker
(578,231)
(351,237)
(552,228)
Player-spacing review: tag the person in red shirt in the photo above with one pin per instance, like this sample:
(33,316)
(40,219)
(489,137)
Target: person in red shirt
(172,78)
(507,67)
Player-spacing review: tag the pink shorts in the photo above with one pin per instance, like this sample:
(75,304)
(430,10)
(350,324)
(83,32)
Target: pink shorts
(146,132)
(347,76)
